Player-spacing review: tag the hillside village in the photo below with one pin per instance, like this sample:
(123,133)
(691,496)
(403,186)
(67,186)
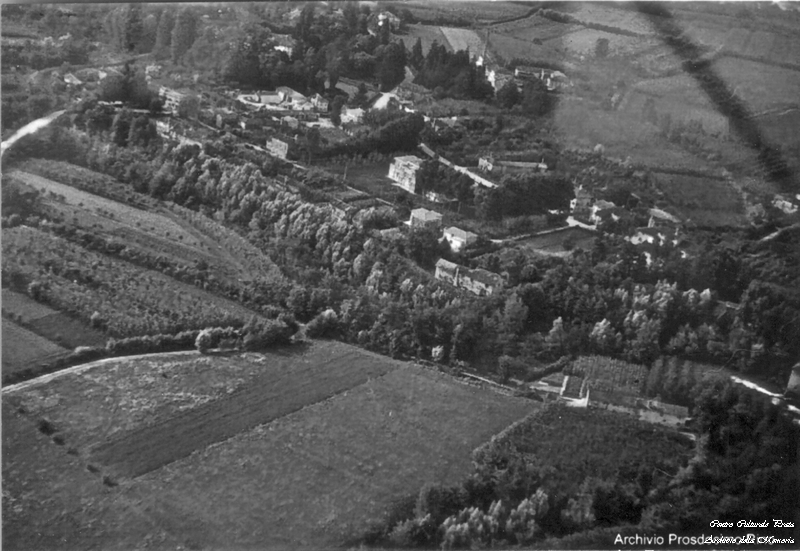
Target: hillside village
(394,223)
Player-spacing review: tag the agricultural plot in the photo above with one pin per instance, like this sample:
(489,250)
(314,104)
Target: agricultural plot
(310,479)
(622,133)
(534,27)
(601,444)
(176,233)
(610,373)
(22,348)
(48,323)
(469,11)
(582,42)
(699,193)
(785,50)
(51,501)
(606,14)
(130,300)
(761,86)
(463,39)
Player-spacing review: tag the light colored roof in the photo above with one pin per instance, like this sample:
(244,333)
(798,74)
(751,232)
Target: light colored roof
(446,265)
(458,232)
(664,215)
(409,159)
(425,214)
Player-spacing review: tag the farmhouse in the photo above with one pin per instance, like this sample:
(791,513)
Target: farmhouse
(321,103)
(351,115)
(480,282)
(554,80)
(458,238)
(424,218)
(403,170)
(278,148)
(172,99)
(498,78)
(290,96)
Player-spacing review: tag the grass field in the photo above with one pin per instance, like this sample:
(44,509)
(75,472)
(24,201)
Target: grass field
(308,479)
(607,14)
(699,193)
(760,86)
(480,12)
(22,348)
(464,39)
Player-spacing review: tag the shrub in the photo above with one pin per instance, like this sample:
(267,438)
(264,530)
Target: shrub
(324,325)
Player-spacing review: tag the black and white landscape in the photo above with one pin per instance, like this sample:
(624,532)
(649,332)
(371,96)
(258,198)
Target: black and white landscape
(401,274)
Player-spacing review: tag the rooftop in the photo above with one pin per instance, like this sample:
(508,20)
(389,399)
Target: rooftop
(458,232)
(446,265)
(425,214)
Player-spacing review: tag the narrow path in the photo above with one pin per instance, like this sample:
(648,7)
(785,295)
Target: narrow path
(78,369)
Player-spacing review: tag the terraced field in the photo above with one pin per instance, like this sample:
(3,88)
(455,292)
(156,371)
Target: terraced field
(130,300)
(371,429)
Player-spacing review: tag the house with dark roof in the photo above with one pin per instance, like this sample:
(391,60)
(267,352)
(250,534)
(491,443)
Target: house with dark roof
(425,218)
(478,281)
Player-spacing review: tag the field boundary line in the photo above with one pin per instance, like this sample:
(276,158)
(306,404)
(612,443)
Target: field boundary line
(80,369)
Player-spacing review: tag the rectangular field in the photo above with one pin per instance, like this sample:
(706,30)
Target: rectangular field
(23,348)
(317,477)
(23,307)
(761,86)
(463,39)
(50,324)
(311,479)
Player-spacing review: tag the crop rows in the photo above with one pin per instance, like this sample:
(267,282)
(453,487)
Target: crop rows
(130,300)
(610,373)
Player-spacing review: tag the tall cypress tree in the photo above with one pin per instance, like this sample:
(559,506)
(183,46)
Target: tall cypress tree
(184,34)
(164,33)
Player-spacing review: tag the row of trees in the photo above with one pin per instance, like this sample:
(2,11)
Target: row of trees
(160,31)
(450,74)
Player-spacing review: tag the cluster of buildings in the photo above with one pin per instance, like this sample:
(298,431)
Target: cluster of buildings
(590,391)
(283,98)
(552,79)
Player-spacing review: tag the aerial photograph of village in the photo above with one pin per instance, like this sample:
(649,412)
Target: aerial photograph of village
(400,275)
